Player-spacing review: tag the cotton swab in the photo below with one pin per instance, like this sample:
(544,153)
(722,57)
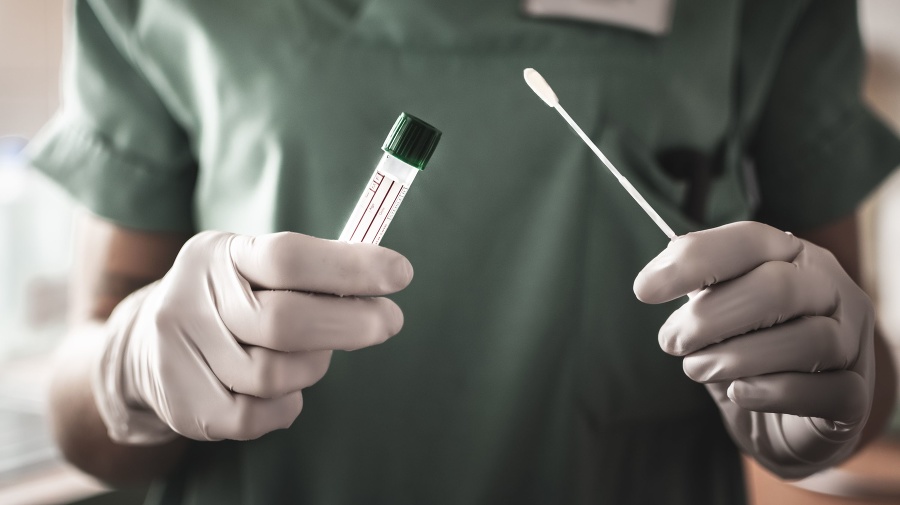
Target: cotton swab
(545,92)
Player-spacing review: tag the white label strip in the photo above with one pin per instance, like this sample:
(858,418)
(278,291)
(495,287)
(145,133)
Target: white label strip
(390,215)
(365,222)
(364,201)
(381,214)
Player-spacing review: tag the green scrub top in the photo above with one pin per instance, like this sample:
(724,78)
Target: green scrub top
(527,372)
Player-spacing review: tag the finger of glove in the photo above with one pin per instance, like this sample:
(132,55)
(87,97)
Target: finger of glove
(272,374)
(807,344)
(190,395)
(839,396)
(247,417)
(770,294)
(292,261)
(291,321)
(699,259)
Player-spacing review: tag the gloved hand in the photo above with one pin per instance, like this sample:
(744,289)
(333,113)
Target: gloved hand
(781,336)
(221,347)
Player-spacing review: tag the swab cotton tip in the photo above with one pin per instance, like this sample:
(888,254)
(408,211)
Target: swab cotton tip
(537,84)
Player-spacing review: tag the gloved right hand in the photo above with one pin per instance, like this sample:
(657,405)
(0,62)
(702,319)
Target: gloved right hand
(221,347)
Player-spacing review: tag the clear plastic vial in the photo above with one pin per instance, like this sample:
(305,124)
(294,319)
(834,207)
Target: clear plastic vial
(407,150)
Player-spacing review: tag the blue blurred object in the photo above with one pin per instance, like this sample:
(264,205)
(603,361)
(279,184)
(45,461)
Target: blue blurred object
(11,148)
(12,168)
(11,145)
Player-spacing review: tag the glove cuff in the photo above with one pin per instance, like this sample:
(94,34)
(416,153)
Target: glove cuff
(127,422)
(791,447)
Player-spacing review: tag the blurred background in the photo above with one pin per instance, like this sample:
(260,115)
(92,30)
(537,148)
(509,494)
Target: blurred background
(35,252)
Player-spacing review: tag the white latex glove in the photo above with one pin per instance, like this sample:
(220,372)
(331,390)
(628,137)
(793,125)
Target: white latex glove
(222,346)
(781,336)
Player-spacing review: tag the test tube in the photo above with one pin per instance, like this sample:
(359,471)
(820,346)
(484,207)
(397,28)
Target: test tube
(407,150)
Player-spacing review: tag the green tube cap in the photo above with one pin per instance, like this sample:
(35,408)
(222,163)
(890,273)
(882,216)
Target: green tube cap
(412,140)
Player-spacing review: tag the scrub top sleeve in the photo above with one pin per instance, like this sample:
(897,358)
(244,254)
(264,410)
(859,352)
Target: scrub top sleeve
(113,145)
(818,149)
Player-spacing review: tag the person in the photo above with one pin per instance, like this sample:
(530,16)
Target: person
(526,371)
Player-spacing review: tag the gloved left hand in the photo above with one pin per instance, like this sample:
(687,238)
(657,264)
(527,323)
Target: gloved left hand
(780,334)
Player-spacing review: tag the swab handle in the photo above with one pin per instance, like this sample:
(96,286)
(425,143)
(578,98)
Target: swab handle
(622,180)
